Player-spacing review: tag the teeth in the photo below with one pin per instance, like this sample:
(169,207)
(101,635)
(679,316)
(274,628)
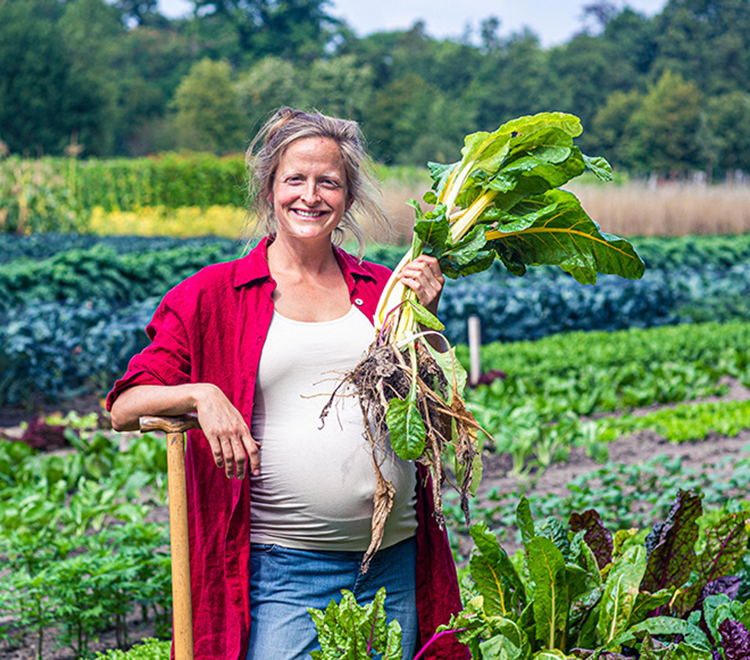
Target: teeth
(309,214)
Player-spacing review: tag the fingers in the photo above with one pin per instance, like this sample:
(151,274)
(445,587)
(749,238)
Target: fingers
(424,277)
(252,447)
(228,436)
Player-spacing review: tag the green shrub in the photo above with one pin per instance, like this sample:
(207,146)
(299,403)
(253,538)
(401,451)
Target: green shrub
(147,649)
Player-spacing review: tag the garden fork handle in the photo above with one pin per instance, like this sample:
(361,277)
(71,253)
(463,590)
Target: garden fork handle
(182,609)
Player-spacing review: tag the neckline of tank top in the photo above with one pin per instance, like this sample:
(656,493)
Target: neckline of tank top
(352,310)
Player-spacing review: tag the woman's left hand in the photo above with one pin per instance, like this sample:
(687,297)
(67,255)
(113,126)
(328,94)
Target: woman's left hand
(424,277)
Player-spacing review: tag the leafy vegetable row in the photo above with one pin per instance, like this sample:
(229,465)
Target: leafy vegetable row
(69,566)
(575,590)
(659,253)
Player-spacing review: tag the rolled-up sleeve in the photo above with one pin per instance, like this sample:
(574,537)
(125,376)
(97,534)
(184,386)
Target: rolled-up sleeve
(165,361)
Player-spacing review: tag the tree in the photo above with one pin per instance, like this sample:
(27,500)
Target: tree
(707,41)
(91,30)
(665,127)
(154,61)
(585,71)
(396,117)
(610,135)
(208,110)
(633,37)
(292,29)
(338,87)
(42,99)
(268,85)
(510,81)
(725,132)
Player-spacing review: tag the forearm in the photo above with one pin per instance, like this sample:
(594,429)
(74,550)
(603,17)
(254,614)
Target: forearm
(155,400)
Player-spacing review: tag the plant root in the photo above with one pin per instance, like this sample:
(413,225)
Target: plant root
(385,374)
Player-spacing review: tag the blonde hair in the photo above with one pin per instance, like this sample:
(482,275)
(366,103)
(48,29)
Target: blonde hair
(286,126)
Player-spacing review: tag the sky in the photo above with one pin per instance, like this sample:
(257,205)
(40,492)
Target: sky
(554,21)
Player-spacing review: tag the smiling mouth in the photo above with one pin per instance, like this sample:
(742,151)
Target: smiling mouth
(309,214)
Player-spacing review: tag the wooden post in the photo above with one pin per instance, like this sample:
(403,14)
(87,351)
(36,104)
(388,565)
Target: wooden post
(475,347)
(182,607)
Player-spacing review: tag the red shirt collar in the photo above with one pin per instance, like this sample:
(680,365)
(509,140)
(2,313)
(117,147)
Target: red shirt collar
(255,265)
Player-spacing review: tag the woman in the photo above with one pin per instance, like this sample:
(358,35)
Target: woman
(248,345)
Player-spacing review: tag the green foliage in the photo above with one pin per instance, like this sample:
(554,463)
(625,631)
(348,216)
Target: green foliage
(507,189)
(356,632)
(725,131)
(147,649)
(101,274)
(574,601)
(70,565)
(663,128)
(43,99)
(628,496)
(208,109)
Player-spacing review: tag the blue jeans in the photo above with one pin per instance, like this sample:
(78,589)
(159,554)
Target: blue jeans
(284,582)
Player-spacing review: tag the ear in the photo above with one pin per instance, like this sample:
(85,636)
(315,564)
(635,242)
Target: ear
(349,201)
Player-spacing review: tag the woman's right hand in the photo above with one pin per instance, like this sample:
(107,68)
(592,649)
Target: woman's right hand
(226,430)
(227,433)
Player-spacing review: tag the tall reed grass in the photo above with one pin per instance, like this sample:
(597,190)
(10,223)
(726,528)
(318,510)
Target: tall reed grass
(630,209)
(669,209)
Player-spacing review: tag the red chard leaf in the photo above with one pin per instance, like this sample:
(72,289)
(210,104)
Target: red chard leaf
(597,536)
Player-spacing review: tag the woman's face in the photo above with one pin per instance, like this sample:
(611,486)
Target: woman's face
(309,193)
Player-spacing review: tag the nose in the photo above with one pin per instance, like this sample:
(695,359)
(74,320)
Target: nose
(310,193)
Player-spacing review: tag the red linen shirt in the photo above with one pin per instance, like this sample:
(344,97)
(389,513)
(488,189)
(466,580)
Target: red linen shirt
(211,329)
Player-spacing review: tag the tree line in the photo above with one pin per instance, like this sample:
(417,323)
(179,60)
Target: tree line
(667,94)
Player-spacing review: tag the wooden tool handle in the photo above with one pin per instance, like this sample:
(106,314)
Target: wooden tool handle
(182,608)
(178,424)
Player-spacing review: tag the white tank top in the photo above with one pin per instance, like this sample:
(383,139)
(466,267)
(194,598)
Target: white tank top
(316,487)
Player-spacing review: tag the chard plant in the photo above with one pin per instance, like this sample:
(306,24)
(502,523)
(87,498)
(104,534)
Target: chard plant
(582,593)
(503,201)
(577,591)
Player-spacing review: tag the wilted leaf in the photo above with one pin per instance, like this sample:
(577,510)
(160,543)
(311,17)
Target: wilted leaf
(424,317)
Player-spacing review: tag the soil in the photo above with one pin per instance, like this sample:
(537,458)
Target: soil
(555,479)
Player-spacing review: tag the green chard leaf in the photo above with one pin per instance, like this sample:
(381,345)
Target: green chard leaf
(494,575)
(406,428)
(424,317)
(567,237)
(434,233)
(620,593)
(645,603)
(508,641)
(667,626)
(599,167)
(439,174)
(524,520)
(349,630)
(547,571)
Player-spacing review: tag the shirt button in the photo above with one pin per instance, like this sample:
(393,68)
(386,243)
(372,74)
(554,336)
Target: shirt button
(359,301)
